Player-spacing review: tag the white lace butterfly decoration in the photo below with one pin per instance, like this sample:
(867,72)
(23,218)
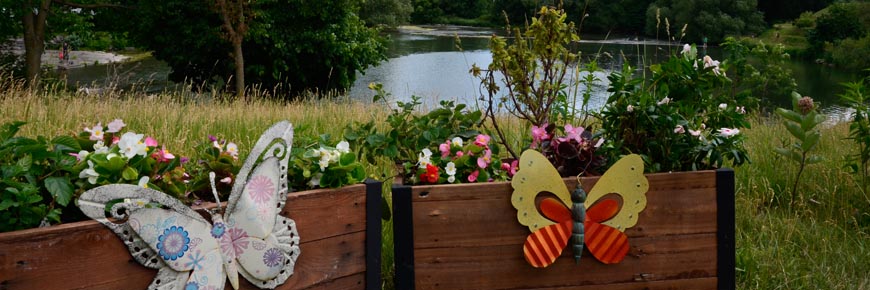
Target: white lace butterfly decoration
(190,253)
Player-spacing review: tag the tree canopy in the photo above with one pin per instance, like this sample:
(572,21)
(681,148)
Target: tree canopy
(704,19)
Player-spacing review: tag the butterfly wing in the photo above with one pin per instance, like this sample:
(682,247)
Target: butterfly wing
(606,243)
(172,238)
(543,246)
(535,175)
(626,179)
(265,243)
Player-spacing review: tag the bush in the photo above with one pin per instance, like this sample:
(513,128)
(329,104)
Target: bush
(806,20)
(852,53)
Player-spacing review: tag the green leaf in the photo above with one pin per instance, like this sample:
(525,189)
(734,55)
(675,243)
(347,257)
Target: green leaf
(391,151)
(795,130)
(24,163)
(130,173)
(813,159)
(114,164)
(347,159)
(811,141)
(66,144)
(789,115)
(60,188)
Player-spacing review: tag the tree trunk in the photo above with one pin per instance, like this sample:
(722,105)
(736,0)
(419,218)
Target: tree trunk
(240,68)
(34,39)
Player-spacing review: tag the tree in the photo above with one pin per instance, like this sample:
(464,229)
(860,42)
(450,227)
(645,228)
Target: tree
(236,14)
(710,19)
(34,15)
(294,45)
(386,12)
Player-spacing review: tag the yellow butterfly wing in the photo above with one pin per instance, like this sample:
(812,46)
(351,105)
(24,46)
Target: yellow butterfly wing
(626,179)
(536,175)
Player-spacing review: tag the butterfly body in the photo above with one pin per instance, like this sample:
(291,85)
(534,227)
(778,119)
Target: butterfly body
(595,222)
(249,239)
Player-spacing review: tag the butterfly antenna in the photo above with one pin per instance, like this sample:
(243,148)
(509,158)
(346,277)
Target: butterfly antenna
(217,199)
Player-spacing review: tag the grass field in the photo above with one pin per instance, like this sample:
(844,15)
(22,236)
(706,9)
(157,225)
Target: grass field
(821,242)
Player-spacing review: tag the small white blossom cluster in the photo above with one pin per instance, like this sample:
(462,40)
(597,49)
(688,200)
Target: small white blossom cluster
(328,156)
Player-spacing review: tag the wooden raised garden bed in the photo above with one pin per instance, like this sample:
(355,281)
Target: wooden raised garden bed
(340,249)
(468,237)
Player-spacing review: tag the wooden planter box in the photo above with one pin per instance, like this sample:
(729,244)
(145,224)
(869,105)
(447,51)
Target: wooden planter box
(341,248)
(468,237)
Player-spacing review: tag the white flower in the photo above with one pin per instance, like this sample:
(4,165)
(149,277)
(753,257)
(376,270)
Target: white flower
(315,180)
(424,158)
(143,182)
(115,126)
(723,106)
(679,129)
(695,133)
(599,143)
(740,110)
(343,147)
(450,169)
(728,132)
(703,126)
(99,147)
(456,141)
(334,156)
(664,101)
(324,163)
(630,108)
(686,48)
(233,150)
(227,180)
(96,132)
(709,62)
(90,173)
(217,145)
(131,145)
(82,155)
(451,179)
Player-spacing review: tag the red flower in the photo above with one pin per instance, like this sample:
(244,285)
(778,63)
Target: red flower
(431,174)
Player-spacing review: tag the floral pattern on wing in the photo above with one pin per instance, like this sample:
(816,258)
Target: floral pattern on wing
(233,243)
(273,257)
(172,244)
(261,189)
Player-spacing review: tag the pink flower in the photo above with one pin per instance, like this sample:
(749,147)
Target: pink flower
(115,126)
(445,149)
(96,132)
(162,155)
(511,168)
(728,132)
(539,134)
(473,176)
(679,129)
(150,142)
(116,139)
(227,180)
(695,133)
(572,133)
(484,160)
(481,140)
(459,154)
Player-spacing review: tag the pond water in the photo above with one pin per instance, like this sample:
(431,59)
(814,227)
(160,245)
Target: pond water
(429,65)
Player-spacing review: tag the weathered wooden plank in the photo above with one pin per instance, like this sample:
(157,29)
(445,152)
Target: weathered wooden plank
(330,222)
(327,212)
(355,281)
(503,267)
(460,221)
(683,284)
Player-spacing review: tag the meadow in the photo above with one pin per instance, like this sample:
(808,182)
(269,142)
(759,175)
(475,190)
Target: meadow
(821,241)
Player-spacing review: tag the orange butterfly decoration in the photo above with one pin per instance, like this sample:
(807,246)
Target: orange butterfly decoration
(596,222)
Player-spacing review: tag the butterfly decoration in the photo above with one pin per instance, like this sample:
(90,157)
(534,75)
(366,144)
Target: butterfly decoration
(252,239)
(597,221)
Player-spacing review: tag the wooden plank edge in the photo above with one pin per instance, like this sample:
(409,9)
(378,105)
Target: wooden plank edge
(352,281)
(403,237)
(726,255)
(373,234)
(693,283)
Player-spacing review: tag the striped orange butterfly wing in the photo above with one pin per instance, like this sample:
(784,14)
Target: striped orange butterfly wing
(543,246)
(606,243)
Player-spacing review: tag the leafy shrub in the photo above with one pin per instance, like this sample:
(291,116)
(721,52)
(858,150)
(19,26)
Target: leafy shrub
(682,119)
(859,130)
(801,122)
(408,132)
(766,77)
(805,20)
(34,177)
(852,53)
